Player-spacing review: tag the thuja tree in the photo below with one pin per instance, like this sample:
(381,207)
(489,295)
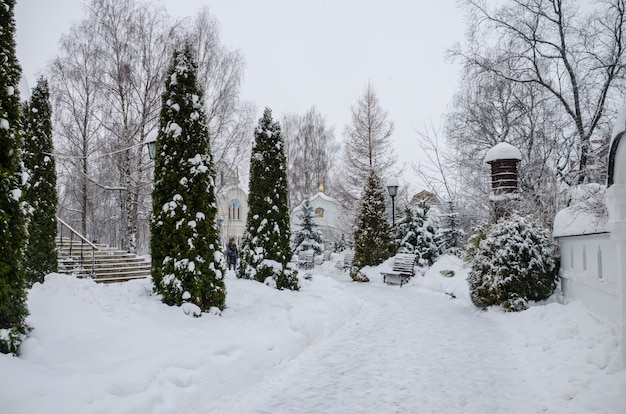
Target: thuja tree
(513,262)
(40,193)
(265,248)
(308,237)
(13,310)
(373,237)
(186,261)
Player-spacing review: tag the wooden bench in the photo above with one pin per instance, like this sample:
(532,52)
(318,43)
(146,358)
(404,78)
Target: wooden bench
(305,259)
(326,255)
(347,261)
(402,270)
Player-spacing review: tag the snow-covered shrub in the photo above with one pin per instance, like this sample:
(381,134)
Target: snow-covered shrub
(514,262)
(450,233)
(416,231)
(12,338)
(308,237)
(340,245)
(447,273)
(479,233)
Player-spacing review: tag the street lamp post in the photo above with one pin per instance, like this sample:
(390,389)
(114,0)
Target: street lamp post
(151,144)
(392,187)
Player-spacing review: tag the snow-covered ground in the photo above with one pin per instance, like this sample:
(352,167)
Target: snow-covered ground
(333,347)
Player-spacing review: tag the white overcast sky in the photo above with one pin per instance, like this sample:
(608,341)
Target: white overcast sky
(309,53)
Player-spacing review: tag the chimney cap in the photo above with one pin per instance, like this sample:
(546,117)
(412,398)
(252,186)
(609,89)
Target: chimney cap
(503,151)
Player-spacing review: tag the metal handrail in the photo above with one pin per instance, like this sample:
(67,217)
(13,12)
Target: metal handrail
(83,241)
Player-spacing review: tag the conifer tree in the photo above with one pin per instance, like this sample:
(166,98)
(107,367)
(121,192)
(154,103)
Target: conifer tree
(265,248)
(451,234)
(186,261)
(13,310)
(41,192)
(308,237)
(513,262)
(416,233)
(339,245)
(406,231)
(373,238)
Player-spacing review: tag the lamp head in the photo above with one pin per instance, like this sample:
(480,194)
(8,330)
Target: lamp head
(392,186)
(151,144)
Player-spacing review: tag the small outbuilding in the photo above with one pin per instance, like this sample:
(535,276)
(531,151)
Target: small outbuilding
(503,159)
(327,214)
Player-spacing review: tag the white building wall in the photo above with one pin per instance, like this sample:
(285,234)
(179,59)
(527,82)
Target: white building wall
(232,227)
(589,273)
(327,219)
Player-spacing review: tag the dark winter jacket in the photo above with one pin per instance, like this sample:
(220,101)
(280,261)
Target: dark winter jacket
(231,253)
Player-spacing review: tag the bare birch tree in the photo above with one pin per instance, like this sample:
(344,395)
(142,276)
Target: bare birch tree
(490,110)
(75,103)
(133,50)
(367,147)
(220,74)
(576,58)
(311,151)
(107,87)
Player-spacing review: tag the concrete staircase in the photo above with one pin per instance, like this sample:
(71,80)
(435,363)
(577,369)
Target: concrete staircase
(100,262)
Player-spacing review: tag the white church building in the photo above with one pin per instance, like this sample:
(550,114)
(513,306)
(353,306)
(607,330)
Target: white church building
(327,214)
(232,204)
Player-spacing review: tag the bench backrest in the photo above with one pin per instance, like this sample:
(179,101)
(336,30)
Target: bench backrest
(348,257)
(306,255)
(404,263)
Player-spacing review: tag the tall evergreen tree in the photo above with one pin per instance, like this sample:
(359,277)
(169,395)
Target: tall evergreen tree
(308,237)
(265,250)
(373,238)
(41,191)
(13,310)
(185,240)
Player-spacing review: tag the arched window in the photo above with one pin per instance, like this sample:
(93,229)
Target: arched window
(234,210)
(319,212)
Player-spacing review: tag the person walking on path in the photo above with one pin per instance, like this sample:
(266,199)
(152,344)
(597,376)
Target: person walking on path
(232,254)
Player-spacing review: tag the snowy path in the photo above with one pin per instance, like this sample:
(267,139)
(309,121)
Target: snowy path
(333,347)
(403,353)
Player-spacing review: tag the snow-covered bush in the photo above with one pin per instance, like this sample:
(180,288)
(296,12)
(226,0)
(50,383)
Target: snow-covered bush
(308,237)
(416,231)
(514,262)
(450,234)
(339,245)
(479,233)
